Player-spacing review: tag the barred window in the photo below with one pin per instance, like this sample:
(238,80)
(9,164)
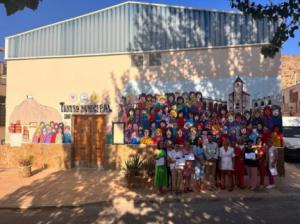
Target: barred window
(137,60)
(155,59)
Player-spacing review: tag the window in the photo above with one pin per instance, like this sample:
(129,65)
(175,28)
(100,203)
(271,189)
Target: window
(137,60)
(118,133)
(155,59)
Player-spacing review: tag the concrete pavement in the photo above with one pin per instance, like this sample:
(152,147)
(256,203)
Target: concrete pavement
(73,188)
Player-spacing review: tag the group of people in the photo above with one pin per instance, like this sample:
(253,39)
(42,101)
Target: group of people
(201,140)
(207,166)
(52,133)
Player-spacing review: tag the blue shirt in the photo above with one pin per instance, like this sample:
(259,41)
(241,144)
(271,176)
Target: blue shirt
(198,152)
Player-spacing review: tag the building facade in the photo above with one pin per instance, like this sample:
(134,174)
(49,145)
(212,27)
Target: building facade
(291,100)
(2,99)
(81,74)
(290,70)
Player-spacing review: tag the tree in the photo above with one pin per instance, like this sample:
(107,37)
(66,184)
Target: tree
(287,13)
(13,6)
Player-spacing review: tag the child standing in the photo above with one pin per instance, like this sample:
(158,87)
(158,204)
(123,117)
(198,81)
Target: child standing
(161,175)
(199,164)
(272,157)
(176,169)
(261,152)
(188,169)
(251,162)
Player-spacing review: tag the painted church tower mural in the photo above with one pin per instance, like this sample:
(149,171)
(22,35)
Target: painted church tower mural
(239,100)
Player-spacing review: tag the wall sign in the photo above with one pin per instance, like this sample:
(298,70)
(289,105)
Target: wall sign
(84,109)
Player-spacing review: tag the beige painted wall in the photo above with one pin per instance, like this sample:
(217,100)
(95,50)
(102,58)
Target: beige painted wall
(51,81)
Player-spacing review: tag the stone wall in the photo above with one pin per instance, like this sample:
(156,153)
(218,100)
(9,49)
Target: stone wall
(116,155)
(44,155)
(290,66)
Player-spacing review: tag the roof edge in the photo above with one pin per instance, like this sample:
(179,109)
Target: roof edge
(118,5)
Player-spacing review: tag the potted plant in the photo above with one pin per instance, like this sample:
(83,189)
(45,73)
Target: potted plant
(133,167)
(25,167)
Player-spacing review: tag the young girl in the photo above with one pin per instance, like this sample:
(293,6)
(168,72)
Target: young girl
(251,162)
(272,157)
(199,164)
(226,155)
(161,175)
(261,152)
(188,169)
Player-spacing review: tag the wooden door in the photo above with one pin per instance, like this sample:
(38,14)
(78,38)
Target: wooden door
(89,140)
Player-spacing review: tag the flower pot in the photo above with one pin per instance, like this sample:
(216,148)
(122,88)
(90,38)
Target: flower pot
(25,171)
(134,181)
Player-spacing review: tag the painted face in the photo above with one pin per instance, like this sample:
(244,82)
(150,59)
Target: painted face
(131,112)
(231,118)
(243,131)
(276,113)
(146,132)
(142,99)
(169,133)
(179,133)
(162,124)
(158,133)
(135,127)
(248,116)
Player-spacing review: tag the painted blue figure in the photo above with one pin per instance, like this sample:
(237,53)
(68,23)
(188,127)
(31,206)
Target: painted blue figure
(277,117)
(144,119)
(67,137)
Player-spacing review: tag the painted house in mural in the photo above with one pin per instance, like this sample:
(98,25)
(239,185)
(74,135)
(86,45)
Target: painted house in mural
(75,76)
(239,101)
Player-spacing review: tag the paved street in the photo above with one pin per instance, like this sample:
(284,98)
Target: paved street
(276,206)
(200,211)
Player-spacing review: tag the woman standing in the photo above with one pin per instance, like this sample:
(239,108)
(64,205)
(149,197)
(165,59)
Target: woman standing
(226,155)
(161,175)
(199,164)
(251,162)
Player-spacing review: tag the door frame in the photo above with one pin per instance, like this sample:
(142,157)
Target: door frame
(73,127)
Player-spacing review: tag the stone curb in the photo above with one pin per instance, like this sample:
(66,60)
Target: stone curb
(174,199)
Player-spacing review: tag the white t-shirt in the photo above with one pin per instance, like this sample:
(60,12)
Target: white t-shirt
(176,156)
(226,158)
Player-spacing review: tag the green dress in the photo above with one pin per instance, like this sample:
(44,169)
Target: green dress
(161,176)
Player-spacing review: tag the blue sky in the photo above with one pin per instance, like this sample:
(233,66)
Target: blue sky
(51,11)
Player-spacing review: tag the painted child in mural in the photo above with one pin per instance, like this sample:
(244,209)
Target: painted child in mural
(170,100)
(277,117)
(48,134)
(67,137)
(146,139)
(267,117)
(168,136)
(257,119)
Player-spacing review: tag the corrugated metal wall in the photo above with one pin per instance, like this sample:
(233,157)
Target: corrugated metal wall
(140,27)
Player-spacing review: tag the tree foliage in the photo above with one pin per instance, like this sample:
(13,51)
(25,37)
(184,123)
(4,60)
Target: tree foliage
(13,6)
(286,13)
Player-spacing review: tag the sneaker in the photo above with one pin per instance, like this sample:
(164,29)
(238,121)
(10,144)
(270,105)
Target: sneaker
(270,186)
